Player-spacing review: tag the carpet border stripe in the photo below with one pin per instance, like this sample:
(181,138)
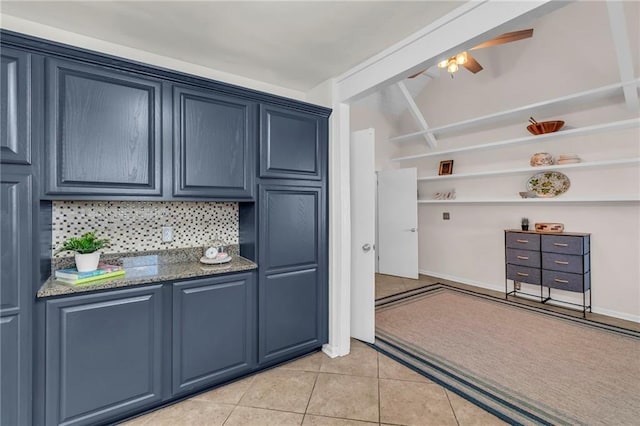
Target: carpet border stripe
(447,386)
(494,398)
(425,289)
(488,398)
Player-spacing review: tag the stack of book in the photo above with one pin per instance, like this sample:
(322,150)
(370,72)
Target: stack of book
(72,276)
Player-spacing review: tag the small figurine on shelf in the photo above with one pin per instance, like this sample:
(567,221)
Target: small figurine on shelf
(525,224)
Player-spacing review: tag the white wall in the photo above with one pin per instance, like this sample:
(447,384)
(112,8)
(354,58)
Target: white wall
(364,118)
(571,51)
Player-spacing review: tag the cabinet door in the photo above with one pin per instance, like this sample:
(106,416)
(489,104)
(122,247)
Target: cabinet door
(11,412)
(16,282)
(103,355)
(103,131)
(291,144)
(292,294)
(213,145)
(15,105)
(213,330)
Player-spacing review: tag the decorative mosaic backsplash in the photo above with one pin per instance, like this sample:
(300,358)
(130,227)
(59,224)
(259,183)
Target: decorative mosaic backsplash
(137,226)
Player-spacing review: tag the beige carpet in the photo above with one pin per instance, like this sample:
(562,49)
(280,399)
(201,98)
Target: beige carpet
(524,364)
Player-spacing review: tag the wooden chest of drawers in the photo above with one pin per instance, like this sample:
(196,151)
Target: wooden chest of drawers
(559,261)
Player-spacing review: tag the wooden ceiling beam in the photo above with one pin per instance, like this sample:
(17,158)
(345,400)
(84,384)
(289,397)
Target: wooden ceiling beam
(417,115)
(620,35)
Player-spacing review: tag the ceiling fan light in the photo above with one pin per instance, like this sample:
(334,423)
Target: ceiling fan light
(461,58)
(452,67)
(443,64)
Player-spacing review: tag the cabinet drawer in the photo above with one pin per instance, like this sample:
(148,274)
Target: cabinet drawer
(565,262)
(566,281)
(523,274)
(566,244)
(523,257)
(521,240)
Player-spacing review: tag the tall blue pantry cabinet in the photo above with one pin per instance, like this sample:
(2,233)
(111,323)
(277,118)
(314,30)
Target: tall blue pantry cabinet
(79,125)
(18,202)
(292,296)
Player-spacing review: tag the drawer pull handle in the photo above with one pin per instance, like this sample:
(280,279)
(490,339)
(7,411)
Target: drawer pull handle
(523,257)
(561,281)
(560,262)
(523,241)
(522,274)
(561,244)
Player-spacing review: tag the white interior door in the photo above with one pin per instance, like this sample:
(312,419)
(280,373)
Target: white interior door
(363,209)
(398,222)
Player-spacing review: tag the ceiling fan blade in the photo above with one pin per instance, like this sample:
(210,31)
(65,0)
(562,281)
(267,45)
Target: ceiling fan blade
(472,65)
(416,74)
(505,38)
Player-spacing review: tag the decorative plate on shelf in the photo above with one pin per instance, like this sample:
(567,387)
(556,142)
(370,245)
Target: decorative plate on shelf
(548,184)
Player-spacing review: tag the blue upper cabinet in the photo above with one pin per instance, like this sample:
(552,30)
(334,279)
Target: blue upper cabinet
(213,145)
(102,131)
(15,103)
(291,144)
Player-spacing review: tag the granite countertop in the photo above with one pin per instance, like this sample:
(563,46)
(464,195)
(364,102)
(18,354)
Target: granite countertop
(145,268)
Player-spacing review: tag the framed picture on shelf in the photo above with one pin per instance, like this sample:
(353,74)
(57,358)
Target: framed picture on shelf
(446,167)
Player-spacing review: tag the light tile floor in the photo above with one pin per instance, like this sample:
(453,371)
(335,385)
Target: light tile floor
(362,388)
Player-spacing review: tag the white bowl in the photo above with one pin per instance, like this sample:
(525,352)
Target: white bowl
(568,156)
(569,161)
(541,159)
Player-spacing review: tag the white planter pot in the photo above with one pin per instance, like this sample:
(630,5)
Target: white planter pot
(87,262)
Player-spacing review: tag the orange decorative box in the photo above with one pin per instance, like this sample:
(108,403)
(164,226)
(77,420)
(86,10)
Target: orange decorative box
(549,227)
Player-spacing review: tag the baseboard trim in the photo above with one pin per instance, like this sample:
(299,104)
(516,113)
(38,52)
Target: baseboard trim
(616,314)
(332,351)
(594,309)
(463,280)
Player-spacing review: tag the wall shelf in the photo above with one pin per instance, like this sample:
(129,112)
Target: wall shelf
(544,108)
(596,128)
(621,199)
(530,169)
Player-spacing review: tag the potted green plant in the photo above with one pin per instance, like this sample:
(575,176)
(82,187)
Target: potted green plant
(86,248)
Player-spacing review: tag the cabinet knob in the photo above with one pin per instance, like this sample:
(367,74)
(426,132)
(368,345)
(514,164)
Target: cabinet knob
(366,247)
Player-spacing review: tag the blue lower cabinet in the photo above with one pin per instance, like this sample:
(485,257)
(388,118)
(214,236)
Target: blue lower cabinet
(103,355)
(16,278)
(290,314)
(10,401)
(213,331)
(292,292)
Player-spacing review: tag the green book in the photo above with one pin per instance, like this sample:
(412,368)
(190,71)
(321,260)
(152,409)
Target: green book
(93,278)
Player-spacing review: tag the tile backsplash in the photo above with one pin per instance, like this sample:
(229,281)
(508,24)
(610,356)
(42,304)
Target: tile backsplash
(137,225)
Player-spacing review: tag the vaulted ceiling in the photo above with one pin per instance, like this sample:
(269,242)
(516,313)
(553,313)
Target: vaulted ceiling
(295,45)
